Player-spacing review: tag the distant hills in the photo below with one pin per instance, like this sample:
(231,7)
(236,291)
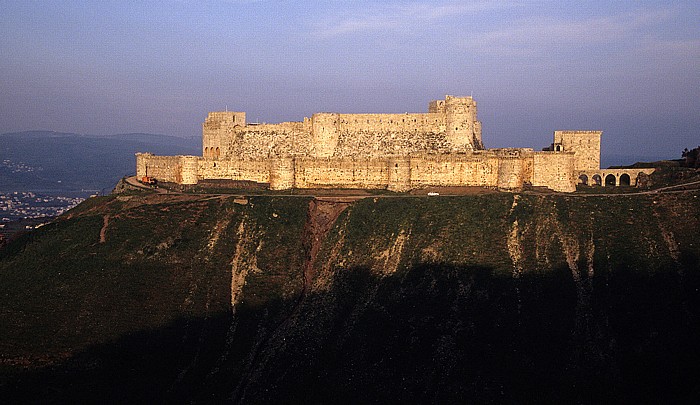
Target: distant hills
(57,162)
(607,160)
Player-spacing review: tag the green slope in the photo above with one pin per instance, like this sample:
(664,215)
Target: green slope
(500,297)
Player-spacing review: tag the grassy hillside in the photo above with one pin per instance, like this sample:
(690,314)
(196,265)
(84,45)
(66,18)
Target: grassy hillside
(497,297)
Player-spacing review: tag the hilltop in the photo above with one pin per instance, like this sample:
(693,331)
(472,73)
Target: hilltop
(496,297)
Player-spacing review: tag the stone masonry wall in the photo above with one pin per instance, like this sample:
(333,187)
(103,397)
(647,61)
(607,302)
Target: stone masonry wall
(257,170)
(268,140)
(554,170)
(506,169)
(163,168)
(585,144)
(450,127)
(367,173)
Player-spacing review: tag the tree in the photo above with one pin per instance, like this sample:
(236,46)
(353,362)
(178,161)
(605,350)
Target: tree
(691,157)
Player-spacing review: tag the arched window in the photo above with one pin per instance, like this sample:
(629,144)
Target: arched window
(583,179)
(217,152)
(625,180)
(610,180)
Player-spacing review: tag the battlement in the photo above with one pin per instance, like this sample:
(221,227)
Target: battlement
(225,118)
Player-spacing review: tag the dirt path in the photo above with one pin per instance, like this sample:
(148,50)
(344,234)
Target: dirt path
(103,231)
(321,216)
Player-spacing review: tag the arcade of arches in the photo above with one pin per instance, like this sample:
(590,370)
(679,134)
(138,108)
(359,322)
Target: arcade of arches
(613,177)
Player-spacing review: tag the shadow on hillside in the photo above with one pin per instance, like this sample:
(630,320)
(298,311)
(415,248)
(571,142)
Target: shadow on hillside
(432,333)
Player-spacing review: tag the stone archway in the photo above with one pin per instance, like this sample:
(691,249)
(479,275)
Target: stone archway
(583,179)
(597,180)
(624,179)
(610,180)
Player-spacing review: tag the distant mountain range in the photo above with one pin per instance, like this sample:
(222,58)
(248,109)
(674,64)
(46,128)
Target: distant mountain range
(57,162)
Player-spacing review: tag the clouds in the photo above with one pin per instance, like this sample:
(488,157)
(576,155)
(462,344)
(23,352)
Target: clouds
(540,34)
(377,17)
(515,27)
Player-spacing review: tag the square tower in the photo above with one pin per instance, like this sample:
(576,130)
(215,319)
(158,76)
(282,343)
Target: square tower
(584,144)
(216,130)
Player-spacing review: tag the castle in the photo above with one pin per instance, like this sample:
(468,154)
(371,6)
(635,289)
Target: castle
(398,152)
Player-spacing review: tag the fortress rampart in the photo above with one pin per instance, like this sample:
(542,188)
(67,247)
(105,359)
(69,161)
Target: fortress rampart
(399,152)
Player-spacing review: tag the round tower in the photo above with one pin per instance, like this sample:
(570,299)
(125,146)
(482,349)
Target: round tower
(142,164)
(189,166)
(281,174)
(325,132)
(510,172)
(399,174)
(463,131)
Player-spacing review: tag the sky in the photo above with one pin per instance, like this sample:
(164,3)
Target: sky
(628,68)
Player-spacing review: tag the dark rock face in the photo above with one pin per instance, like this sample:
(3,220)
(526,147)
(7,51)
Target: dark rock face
(503,298)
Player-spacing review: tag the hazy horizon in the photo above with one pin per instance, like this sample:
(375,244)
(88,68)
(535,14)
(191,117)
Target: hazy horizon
(629,69)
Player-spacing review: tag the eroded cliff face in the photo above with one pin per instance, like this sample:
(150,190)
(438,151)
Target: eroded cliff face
(499,297)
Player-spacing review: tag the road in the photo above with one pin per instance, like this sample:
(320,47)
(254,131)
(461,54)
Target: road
(132,181)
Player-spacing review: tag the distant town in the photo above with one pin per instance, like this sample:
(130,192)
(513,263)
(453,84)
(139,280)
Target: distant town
(25,205)
(22,211)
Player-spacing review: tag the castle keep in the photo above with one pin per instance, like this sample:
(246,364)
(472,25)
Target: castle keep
(398,152)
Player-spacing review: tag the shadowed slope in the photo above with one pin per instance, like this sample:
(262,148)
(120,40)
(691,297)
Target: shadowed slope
(489,298)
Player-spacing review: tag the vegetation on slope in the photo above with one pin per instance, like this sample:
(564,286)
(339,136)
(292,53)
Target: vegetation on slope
(499,297)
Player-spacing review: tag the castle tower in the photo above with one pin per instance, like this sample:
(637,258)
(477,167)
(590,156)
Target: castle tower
(584,144)
(324,134)
(282,174)
(188,170)
(216,130)
(462,128)
(399,170)
(510,171)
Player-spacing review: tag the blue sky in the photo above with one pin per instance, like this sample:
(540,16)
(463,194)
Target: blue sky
(629,68)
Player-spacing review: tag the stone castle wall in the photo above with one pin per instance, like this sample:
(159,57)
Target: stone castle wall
(506,169)
(554,170)
(398,152)
(451,128)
